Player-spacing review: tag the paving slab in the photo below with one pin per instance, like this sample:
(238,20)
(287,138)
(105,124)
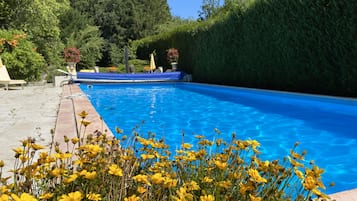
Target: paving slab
(29,112)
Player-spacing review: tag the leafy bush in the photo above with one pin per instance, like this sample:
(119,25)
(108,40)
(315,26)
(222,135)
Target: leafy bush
(98,167)
(20,56)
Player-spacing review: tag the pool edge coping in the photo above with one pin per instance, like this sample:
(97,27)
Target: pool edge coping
(72,102)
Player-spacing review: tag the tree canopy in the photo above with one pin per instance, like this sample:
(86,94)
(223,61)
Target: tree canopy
(123,21)
(100,29)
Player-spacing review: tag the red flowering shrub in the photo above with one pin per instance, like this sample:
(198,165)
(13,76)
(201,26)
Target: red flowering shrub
(172,55)
(72,54)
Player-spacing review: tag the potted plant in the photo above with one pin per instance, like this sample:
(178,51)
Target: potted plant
(72,56)
(172,57)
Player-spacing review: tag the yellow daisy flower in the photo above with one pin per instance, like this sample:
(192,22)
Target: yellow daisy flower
(46,196)
(23,197)
(207,198)
(94,197)
(115,170)
(74,196)
(132,198)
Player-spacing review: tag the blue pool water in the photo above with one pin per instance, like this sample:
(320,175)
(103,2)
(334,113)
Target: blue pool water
(326,127)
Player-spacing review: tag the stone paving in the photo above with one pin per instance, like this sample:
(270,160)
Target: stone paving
(31,112)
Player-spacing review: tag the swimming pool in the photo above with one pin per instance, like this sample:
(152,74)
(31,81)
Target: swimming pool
(326,127)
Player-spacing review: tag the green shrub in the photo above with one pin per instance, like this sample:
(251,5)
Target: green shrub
(20,56)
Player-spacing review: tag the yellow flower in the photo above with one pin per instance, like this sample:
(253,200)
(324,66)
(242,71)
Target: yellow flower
(183,195)
(170,183)
(207,180)
(88,175)
(207,198)
(220,164)
(4,198)
(320,194)
(23,197)
(3,189)
(80,162)
(91,150)
(23,158)
(126,158)
(317,171)
(94,197)
(70,179)
(142,178)
(66,139)
(159,145)
(43,155)
(141,190)
(63,156)
(254,174)
(199,136)
(296,155)
(147,156)
(83,114)
(85,123)
(253,143)
(57,172)
(234,175)
(186,146)
(25,142)
(192,186)
(225,184)
(191,156)
(74,196)
(252,198)
(205,142)
(309,183)
(37,146)
(115,170)
(132,198)
(295,163)
(180,151)
(50,159)
(157,178)
(46,196)
(18,150)
(143,141)
(243,188)
(219,142)
(74,140)
(200,153)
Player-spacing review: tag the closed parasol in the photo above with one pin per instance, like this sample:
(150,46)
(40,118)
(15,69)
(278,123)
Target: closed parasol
(152,63)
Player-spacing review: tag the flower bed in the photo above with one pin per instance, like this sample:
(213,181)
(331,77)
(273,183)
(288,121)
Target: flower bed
(136,168)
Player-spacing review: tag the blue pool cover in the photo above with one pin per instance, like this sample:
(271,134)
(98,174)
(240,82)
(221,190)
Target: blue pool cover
(169,76)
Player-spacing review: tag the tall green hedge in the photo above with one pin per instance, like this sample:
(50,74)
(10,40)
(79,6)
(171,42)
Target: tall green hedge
(304,45)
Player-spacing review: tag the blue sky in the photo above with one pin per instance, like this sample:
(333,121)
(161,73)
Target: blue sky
(185,8)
